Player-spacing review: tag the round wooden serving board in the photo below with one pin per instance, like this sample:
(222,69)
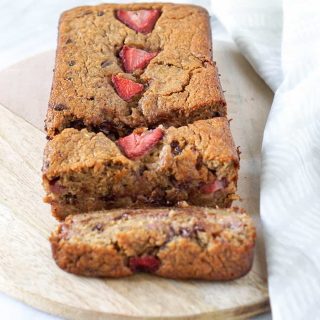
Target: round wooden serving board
(27,271)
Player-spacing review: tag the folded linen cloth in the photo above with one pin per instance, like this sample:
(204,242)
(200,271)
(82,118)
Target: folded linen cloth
(290,183)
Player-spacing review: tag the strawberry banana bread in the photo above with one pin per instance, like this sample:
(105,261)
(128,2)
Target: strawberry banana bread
(189,243)
(119,67)
(85,171)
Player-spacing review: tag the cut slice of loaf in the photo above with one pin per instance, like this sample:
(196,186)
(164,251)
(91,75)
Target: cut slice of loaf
(179,243)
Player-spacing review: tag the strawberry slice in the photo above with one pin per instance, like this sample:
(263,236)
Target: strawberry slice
(144,264)
(137,145)
(214,186)
(126,88)
(141,20)
(133,58)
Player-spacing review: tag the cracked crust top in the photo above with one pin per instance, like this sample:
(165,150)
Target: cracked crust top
(181,82)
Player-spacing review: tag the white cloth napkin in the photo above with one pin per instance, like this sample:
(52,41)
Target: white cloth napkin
(290,183)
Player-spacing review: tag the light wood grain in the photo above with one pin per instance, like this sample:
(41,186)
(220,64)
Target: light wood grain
(27,271)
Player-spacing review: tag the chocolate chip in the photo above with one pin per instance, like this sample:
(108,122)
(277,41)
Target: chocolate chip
(70,198)
(77,124)
(107,198)
(71,63)
(215,114)
(105,127)
(68,41)
(199,162)
(99,227)
(60,107)
(100,13)
(106,63)
(175,147)
(91,98)
(142,170)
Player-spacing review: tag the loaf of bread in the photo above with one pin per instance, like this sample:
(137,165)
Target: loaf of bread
(178,243)
(137,129)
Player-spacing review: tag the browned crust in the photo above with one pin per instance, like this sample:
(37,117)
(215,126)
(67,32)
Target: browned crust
(183,82)
(83,160)
(221,250)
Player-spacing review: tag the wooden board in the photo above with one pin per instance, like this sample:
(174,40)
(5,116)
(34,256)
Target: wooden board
(27,271)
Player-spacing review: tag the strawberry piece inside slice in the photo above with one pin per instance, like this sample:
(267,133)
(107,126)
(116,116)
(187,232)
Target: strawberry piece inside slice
(126,88)
(133,58)
(144,264)
(141,20)
(214,186)
(135,145)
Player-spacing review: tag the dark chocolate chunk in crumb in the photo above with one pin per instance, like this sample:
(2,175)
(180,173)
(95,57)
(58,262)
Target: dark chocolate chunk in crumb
(60,107)
(70,198)
(77,124)
(199,162)
(175,148)
(71,63)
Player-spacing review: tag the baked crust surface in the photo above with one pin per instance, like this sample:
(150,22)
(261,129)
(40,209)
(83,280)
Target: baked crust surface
(181,82)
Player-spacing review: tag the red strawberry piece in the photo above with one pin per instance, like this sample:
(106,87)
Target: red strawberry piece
(141,20)
(144,264)
(126,88)
(214,186)
(133,58)
(137,145)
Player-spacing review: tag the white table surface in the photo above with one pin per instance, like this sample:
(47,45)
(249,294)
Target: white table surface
(29,27)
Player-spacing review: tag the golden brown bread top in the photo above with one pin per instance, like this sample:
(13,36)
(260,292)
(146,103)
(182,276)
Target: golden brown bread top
(181,79)
(73,150)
